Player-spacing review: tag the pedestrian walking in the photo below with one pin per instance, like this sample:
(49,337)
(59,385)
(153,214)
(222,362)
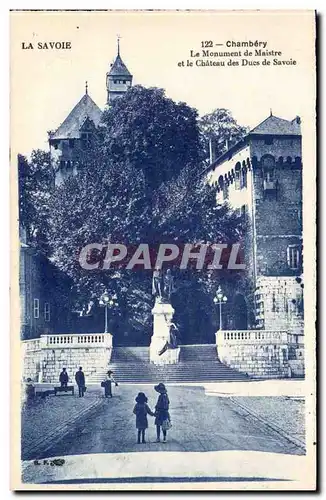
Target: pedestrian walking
(29,390)
(80,381)
(107,384)
(63,379)
(162,415)
(141,410)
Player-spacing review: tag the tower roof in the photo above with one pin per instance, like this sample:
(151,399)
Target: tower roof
(70,128)
(119,68)
(273,125)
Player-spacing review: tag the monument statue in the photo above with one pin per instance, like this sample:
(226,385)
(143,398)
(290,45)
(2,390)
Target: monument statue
(174,339)
(157,283)
(162,285)
(168,285)
(165,332)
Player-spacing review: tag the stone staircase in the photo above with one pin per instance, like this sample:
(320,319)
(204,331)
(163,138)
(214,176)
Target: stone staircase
(198,363)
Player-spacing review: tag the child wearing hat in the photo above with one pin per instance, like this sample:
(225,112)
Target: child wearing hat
(141,410)
(162,412)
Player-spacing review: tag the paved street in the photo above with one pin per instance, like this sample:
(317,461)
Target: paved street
(200,423)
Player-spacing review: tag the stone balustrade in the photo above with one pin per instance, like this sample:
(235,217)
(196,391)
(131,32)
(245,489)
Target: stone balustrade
(31,345)
(258,353)
(44,357)
(69,340)
(251,336)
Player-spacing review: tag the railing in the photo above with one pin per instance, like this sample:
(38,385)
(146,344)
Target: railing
(251,336)
(32,344)
(69,341)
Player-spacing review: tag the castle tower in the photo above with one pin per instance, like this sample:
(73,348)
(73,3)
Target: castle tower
(73,137)
(118,79)
(261,178)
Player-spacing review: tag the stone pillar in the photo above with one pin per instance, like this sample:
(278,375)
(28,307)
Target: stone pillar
(162,317)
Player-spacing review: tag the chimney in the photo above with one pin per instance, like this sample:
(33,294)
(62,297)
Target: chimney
(297,120)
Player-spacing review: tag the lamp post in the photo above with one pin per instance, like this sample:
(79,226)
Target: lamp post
(220,299)
(107,301)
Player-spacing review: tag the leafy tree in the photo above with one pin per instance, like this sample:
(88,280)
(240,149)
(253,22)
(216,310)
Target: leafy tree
(35,185)
(186,212)
(152,133)
(221,130)
(99,205)
(139,182)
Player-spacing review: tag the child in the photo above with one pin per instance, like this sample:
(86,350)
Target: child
(162,412)
(141,410)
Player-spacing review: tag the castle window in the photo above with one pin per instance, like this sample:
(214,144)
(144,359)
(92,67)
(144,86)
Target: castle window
(62,164)
(56,146)
(269,141)
(269,175)
(274,304)
(268,161)
(68,164)
(293,256)
(71,143)
(47,311)
(36,308)
(86,139)
(237,180)
(115,81)
(243,178)
(124,81)
(225,191)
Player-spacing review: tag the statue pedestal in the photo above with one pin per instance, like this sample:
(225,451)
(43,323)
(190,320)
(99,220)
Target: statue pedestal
(162,317)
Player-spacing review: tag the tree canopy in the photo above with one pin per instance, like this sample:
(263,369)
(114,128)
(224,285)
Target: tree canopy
(35,187)
(140,182)
(221,130)
(152,133)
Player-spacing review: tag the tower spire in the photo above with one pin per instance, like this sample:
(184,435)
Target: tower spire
(118,79)
(86,87)
(270,112)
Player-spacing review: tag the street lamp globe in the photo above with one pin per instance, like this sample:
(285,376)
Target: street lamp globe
(105,297)
(219,293)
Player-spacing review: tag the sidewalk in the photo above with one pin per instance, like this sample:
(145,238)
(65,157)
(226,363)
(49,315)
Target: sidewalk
(255,388)
(283,414)
(278,404)
(45,420)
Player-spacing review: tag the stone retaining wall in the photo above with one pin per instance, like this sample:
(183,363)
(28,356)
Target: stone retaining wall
(44,358)
(259,353)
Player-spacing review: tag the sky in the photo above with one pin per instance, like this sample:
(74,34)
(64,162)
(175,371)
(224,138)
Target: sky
(46,84)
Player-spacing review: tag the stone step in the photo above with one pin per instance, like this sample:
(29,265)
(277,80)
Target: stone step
(198,363)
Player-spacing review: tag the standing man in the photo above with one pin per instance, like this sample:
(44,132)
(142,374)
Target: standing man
(157,283)
(80,381)
(63,379)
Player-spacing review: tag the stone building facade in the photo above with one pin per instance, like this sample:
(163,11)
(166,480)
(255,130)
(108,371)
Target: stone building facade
(261,178)
(45,307)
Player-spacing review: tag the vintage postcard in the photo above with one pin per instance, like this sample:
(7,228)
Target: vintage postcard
(163,205)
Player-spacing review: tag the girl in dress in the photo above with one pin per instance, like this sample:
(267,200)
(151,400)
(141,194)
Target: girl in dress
(141,410)
(162,415)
